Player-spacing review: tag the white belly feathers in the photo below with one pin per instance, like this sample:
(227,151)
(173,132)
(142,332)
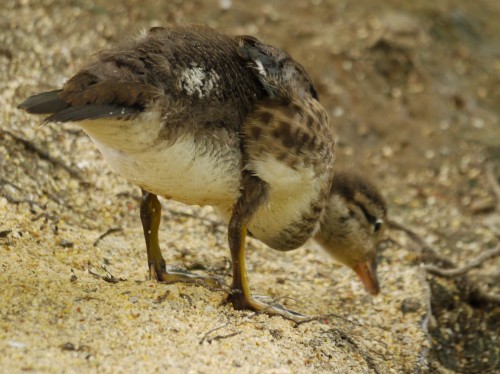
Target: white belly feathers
(199,170)
(187,170)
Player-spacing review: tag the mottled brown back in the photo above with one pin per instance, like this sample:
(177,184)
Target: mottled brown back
(153,66)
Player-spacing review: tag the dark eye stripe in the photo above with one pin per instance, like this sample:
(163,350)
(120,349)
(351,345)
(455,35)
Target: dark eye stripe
(370,218)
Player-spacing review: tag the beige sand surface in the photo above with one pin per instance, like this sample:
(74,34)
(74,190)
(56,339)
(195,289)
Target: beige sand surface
(55,316)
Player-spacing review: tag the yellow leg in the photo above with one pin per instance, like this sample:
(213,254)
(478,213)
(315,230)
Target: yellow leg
(240,291)
(150,217)
(240,296)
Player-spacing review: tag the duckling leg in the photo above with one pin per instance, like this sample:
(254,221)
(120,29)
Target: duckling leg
(253,195)
(150,217)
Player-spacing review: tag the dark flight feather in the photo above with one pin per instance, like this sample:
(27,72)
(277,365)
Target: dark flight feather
(44,103)
(93,111)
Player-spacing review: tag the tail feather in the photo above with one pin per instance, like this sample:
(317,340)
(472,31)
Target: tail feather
(44,103)
(104,99)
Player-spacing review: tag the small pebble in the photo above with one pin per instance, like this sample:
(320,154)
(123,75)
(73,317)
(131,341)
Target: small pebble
(15,344)
(68,346)
(66,243)
(410,305)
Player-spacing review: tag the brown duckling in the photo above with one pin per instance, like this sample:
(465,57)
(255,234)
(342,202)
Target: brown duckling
(193,115)
(353,224)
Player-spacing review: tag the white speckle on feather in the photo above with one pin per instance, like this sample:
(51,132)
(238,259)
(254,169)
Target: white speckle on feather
(198,81)
(260,68)
(225,4)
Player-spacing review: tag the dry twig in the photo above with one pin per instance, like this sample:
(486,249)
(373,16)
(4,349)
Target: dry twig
(109,278)
(495,187)
(217,337)
(220,337)
(30,146)
(474,263)
(110,231)
(470,290)
(323,317)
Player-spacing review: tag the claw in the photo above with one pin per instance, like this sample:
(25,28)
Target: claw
(240,301)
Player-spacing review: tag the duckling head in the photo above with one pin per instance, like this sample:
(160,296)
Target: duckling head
(352,226)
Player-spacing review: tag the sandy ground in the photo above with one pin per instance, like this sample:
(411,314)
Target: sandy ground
(411,89)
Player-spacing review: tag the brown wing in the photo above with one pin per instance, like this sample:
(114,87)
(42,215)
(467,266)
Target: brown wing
(195,71)
(298,134)
(279,73)
(290,147)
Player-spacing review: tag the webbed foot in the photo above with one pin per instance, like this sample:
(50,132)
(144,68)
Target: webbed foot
(181,276)
(257,304)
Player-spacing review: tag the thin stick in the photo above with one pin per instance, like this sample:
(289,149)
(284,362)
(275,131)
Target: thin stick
(326,316)
(474,263)
(109,278)
(220,337)
(411,234)
(110,231)
(32,147)
(470,290)
(205,336)
(495,187)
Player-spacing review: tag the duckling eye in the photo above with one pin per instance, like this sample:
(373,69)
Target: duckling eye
(377,225)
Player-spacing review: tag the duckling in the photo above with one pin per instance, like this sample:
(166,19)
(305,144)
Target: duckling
(197,116)
(353,224)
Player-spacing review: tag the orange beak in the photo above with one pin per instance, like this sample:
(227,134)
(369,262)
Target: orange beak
(367,273)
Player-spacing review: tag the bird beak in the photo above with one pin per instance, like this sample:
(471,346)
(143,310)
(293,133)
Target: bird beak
(367,273)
